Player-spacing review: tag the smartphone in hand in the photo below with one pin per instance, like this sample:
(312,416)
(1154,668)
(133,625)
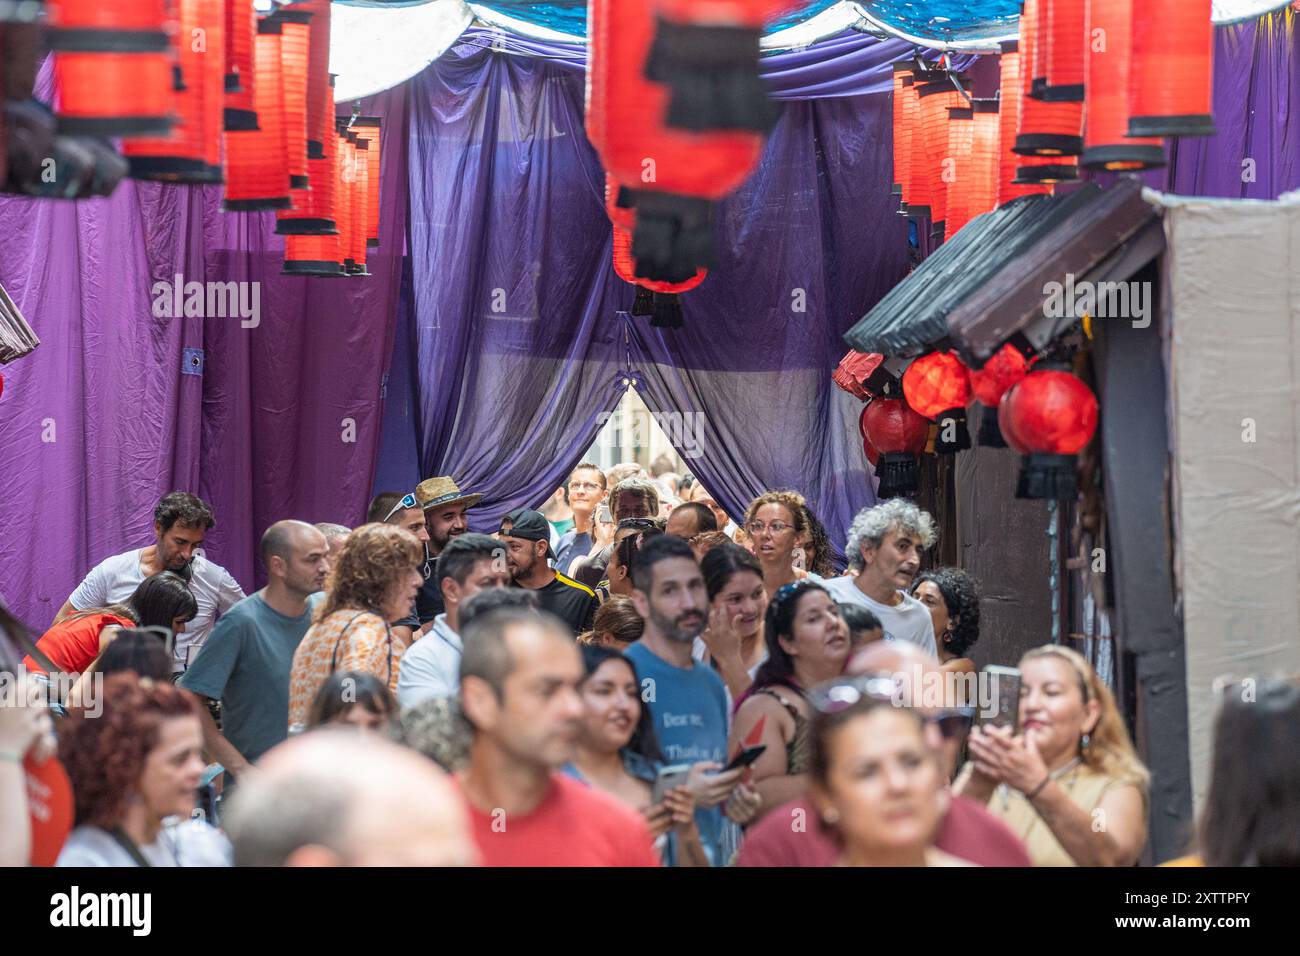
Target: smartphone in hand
(745,758)
(674,775)
(1006,690)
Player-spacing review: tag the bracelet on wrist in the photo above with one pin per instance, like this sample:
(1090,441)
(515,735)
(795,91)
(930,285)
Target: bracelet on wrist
(1038,789)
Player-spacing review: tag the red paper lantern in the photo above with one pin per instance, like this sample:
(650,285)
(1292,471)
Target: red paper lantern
(936,98)
(618,203)
(917,190)
(1007,427)
(295,44)
(112,66)
(360,215)
(315,215)
(320,90)
(982,185)
(257,175)
(961,133)
(898,434)
(625,267)
(678,174)
(1008,116)
(368,128)
(903,119)
(1066,53)
(343,201)
(241,38)
(192,152)
(1054,415)
(1004,369)
(1043,128)
(938,386)
(1109,70)
(1171,86)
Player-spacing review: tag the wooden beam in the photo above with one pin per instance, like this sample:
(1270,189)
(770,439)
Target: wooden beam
(1134,440)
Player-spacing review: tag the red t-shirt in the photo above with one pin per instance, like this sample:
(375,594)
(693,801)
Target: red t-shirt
(574,825)
(73,645)
(792,835)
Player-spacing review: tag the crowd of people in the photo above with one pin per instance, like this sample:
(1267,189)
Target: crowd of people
(632,678)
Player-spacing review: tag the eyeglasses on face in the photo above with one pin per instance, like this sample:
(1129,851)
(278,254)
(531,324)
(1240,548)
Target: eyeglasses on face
(776,527)
(583,486)
(407,502)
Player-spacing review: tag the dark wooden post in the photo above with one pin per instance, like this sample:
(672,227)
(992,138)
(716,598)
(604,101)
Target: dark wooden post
(1134,438)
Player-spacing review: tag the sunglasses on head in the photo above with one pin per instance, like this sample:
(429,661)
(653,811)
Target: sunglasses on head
(407,502)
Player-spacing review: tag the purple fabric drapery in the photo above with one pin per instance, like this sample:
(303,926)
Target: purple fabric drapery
(521,339)
(102,419)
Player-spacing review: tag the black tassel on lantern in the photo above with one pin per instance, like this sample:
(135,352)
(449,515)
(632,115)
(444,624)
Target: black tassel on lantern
(667,311)
(712,73)
(1047,477)
(990,434)
(953,435)
(673,237)
(644,302)
(898,474)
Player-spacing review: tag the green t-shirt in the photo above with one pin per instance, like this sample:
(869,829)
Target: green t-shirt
(245,663)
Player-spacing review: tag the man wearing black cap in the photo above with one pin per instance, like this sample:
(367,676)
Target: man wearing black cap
(527,536)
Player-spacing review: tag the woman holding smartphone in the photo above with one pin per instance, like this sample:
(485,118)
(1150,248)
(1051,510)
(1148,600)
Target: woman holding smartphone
(618,753)
(1071,764)
(875,782)
(807,643)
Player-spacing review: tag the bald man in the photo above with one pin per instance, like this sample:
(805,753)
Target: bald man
(968,831)
(392,807)
(246,662)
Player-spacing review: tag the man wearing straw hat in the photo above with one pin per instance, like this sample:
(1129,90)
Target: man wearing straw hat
(444,506)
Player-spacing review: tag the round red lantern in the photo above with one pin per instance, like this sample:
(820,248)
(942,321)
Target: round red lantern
(1007,367)
(938,386)
(898,434)
(1006,427)
(1054,415)
(868,449)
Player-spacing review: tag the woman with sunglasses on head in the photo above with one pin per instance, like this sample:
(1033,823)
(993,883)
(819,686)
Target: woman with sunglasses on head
(160,600)
(877,784)
(952,599)
(775,522)
(733,641)
(617,752)
(1070,759)
(807,643)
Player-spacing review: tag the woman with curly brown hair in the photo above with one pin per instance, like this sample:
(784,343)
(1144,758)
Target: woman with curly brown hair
(371,585)
(135,771)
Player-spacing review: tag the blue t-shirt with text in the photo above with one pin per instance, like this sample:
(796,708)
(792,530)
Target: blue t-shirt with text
(689,709)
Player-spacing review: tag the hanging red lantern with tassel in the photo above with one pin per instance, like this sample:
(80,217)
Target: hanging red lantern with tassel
(658,300)
(112,67)
(191,153)
(257,175)
(1106,144)
(1171,86)
(679,175)
(1066,54)
(938,386)
(898,434)
(1008,117)
(295,46)
(1053,414)
(868,449)
(707,55)
(1005,368)
(360,213)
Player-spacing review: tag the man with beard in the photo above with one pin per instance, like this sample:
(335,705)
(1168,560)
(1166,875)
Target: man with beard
(181,521)
(527,540)
(519,687)
(247,661)
(444,507)
(884,548)
(687,700)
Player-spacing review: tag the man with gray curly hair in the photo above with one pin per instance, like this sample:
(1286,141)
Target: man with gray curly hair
(884,551)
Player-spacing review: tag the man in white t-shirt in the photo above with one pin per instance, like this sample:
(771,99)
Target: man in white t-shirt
(181,521)
(884,549)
